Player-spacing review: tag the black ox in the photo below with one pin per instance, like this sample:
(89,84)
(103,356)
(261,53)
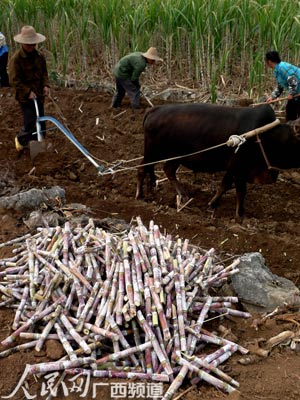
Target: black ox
(180,129)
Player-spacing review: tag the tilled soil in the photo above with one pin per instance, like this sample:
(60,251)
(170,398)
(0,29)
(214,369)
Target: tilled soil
(271,225)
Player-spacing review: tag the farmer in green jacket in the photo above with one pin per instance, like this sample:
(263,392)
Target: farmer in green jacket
(127,72)
(29,76)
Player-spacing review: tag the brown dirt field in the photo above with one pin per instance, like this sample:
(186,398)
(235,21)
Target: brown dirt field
(271,226)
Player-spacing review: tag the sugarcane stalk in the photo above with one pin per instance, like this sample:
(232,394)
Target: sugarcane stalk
(55,236)
(230,299)
(15,349)
(82,343)
(157,274)
(86,308)
(180,317)
(135,285)
(65,343)
(124,353)
(80,297)
(145,263)
(159,249)
(58,365)
(210,337)
(236,313)
(147,297)
(167,278)
(70,297)
(206,377)
(122,339)
(216,354)
(210,367)
(147,329)
(137,341)
(175,385)
(160,310)
(182,286)
(20,308)
(214,305)
(11,292)
(119,375)
(137,261)
(199,323)
(44,335)
(31,273)
(16,240)
(99,331)
(125,312)
(128,280)
(36,317)
(154,360)
(177,349)
(97,274)
(142,230)
(108,251)
(148,358)
(103,293)
(66,243)
(121,292)
(36,336)
(214,363)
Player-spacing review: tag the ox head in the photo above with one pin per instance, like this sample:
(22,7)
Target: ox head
(295,126)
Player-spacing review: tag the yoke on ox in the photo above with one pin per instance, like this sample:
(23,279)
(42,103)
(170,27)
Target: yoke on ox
(173,131)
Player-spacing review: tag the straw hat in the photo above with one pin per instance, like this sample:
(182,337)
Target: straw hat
(152,54)
(28,35)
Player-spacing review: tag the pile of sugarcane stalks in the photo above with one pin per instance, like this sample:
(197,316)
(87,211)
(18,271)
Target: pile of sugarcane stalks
(133,305)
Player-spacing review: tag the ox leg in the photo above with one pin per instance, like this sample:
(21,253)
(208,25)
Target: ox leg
(140,182)
(225,185)
(170,169)
(143,172)
(241,188)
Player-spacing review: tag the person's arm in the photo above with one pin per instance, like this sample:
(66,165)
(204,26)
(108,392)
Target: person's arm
(138,67)
(293,83)
(276,93)
(16,80)
(46,84)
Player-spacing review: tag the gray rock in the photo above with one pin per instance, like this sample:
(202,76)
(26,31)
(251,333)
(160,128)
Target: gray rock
(38,218)
(259,290)
(32,199)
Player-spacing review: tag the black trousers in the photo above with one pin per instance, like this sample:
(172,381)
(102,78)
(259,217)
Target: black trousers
(292,109)
(29,121)
(3,70)
(132,88)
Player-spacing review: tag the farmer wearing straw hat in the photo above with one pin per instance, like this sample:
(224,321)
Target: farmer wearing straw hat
(287,77)
(127,72)
(29,76)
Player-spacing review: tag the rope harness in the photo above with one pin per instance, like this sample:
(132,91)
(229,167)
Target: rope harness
(265,156)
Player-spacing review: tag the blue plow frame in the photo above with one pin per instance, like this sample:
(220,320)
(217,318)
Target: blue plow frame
(100,168)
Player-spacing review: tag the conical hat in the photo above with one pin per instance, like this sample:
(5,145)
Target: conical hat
(152,54)
(28,35)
